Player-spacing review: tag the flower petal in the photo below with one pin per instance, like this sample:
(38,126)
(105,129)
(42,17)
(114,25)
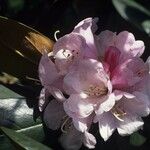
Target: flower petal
(86,28)
(112,56)
(139,105)
(43,99)
(104,40)
(53,114)
(76,106)
(89,72)
(106,104)
(129,125)
(56,93)
(89,140)
(125,42)
(47,71)
(107,125)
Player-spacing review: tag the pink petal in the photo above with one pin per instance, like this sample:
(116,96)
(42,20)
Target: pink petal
(76,106)
(86,28)
(53,114)
(119,94)
(126,43)
(83,124)
(107,125)
(67,50)
(112,56)
(80,124)
(129,125)
(56,93)
(139,105)
(89,140)
(72,140)
(104,40)
(43,99)
(47,71)
(106,104)
(89,72)
(137,48)
(123,77)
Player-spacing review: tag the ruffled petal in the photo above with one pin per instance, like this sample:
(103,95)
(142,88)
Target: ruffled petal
(125,42)
(104,40)
(76,106)
(106,104)
(86,28)
(107,125)
(68,50)
(56,93)
(138,106)
(47,71)
(129,125)
(89,140)
(53,114)
(89,72)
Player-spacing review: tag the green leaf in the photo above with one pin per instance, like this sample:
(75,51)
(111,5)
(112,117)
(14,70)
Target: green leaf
(23,141)
(36,132)
(137,139)
(15,114)
(6,93)
(134,13)
(15,5)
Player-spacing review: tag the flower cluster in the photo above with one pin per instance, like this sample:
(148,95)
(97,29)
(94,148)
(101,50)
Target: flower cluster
(94,79)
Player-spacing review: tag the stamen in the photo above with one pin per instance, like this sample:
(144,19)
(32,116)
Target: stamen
(33,79)
(55,35)
(64,124)
(96,91)
(50,54)
(118,113)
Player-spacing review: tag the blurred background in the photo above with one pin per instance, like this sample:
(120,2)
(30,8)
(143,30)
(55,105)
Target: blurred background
(48,16)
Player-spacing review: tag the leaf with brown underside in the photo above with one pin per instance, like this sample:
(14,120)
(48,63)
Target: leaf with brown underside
(39,42)
(23,40)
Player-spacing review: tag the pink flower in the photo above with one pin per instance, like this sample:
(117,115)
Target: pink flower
(104,79)
(90,90)
(125,116)
(125,42)
(66,54)
(127,73)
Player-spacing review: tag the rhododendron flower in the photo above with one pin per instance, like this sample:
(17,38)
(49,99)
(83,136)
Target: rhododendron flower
(94,79)
(125,42)
(90,89)
(125,116)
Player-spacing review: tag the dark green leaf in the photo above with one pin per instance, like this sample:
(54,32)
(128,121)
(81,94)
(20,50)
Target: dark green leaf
(36,132)
(137,139)
(15,5)
(23,141)
(134,13)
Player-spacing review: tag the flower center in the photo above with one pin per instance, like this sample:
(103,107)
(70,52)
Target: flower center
(118,112)
(96,91)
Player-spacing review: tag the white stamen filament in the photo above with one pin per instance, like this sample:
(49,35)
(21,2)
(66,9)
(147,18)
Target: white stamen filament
(118,113)
(55,35)
(64,124)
